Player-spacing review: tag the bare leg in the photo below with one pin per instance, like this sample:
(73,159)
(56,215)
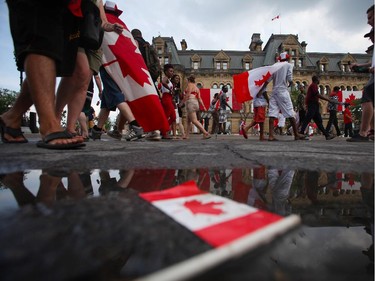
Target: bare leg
(261,131)
(297,136)
(72,91)
(194,120)
(83,124)
(271,128)
(367,118)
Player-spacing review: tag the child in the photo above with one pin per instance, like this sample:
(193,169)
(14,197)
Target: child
(260,103)
(348,122)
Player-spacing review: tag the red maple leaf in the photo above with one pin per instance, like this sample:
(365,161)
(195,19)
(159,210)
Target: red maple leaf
(197,207)
(260,82)
(350,99)
(131,63)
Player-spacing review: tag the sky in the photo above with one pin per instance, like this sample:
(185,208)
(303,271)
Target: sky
(333,26)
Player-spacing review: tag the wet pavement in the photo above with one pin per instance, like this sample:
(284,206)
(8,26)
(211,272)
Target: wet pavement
(76,215)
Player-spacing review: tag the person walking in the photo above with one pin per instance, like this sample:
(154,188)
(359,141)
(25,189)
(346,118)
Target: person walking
(192,99)
(348,121)
(332,108)
(280,98)
(312,104)
(260,104)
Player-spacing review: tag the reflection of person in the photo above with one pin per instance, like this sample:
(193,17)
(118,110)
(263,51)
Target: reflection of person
(279,183)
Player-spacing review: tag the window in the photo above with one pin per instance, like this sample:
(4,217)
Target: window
(214,86)
(195,65)
(199,85)
(166,60)
(218,66)
(299,63)
(160,51)
(293,52)
(225,65)
(322,67)
(247,65)
(293,62)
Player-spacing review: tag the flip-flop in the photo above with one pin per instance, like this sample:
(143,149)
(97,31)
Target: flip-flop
(45,143)
(14,133)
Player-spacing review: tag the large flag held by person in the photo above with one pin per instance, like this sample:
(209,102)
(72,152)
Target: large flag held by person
(124,63)
(248,84)
(215,219)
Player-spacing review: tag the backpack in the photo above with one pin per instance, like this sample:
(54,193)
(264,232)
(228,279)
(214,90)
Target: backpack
(152,61)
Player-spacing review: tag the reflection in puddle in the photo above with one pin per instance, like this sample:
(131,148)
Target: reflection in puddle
(336,208)
(279,191)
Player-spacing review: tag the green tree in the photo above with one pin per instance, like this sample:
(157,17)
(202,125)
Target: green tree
(7,99)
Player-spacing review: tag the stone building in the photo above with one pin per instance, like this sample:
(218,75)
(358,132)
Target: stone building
(214,68)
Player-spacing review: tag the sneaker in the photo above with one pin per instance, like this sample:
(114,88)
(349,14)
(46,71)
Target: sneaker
(95,134)
(329,137)
(115,134)
(153,136)
(358,138)
(134,133)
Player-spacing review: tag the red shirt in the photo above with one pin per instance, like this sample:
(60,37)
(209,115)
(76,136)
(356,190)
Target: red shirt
(312,94)
(347,116)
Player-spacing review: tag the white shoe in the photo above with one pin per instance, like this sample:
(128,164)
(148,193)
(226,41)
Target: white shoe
(153,136)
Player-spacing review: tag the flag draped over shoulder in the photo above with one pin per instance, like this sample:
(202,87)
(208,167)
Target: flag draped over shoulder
(124,63)
(247,84)
(216,220)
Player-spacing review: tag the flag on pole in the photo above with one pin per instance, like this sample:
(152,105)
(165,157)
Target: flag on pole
(276,18)
(216,220)
(248,84)
(124,63)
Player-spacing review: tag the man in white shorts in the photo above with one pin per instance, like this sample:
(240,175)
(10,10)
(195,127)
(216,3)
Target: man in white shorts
(280,100)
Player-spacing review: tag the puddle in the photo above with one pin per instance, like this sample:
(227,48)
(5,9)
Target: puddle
(336,211)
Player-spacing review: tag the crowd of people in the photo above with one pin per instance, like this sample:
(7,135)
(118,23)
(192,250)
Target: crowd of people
(61,52)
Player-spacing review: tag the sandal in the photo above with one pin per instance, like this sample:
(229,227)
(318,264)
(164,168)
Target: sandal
(14,133)
(45,143)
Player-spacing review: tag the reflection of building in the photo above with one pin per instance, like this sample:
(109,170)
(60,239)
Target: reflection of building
(214,68)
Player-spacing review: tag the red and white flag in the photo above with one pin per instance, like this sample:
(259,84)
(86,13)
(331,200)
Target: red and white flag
(276,18)
(348,97)
(124,63)
(216,220)
(247,84)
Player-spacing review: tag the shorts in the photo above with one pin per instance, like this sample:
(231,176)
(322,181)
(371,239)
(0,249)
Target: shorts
(192,105)
(95,59)
(368,94)
(223,116)
(112,95)
(259,114)
(46,28)
(280,101)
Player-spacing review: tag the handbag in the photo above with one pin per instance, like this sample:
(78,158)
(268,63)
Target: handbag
(91,31)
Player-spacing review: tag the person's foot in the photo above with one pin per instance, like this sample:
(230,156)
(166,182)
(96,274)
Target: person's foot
(358,138)
(329,137)
(134,133)
(95,133)
(206,136)
(272,139)
(244,131)
(115,134)
(11,135)
(153,136)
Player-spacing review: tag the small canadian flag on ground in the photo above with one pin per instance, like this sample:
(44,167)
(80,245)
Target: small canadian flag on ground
(217,220)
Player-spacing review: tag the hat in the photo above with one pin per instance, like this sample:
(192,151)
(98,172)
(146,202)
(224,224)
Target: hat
(112,7)
(283,56)
(369,34)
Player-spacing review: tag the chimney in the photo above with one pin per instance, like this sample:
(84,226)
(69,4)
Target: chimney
(256,43)
(183,45)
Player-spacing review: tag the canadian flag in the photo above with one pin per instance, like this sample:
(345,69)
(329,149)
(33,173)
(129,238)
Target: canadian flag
(248,84)
(208,94)
(348,97)
(124,63)
(217,220)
